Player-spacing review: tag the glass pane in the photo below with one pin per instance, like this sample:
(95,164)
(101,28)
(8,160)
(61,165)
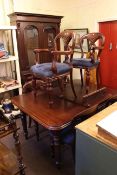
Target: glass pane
(50,40)
(31,42)
(50,33)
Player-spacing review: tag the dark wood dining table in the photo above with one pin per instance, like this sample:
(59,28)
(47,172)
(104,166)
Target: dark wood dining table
(59,116)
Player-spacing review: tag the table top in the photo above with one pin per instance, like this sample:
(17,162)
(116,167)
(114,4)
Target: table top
(60,114)
(89,126)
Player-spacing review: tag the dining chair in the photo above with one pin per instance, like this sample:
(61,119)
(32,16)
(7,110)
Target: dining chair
(95,42)
(55,71)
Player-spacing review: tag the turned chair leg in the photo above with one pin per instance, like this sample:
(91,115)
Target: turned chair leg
(61,85)
(97,78)
(87,80)
(34,86)
(81,78)
(37,130)
(50,93)
(52,147)
(30,122)
(72,84)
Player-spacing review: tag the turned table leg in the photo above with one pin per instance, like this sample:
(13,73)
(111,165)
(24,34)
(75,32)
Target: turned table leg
(18,151)
(57,147)
(24,124)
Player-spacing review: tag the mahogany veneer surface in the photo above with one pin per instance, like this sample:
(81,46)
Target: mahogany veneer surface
(62,111)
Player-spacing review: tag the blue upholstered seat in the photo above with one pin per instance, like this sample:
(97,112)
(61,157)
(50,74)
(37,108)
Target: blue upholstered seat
(45,69)
(84,62)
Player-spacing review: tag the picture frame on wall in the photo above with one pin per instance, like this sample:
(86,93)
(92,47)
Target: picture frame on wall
(80,32)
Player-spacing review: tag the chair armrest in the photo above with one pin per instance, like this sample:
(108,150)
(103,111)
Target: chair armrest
(41,50)
(68,55)
(37,54)
(62,52)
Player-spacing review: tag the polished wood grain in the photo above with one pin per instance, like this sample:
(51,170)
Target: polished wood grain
(62,112)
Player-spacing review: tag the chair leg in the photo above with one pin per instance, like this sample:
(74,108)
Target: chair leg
(50,91)
(34,86)
(72,84)
(37,130)
(81,77)
(97,77)
(61,86)
(87,80)
(73,150)
(52,147)
(30,122)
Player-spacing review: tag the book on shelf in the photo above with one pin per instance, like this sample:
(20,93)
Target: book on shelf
(107,127)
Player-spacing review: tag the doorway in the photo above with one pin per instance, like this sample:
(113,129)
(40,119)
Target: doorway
(108,60)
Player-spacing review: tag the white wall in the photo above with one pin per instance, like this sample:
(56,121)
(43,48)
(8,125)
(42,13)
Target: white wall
(77,13)
(6,7)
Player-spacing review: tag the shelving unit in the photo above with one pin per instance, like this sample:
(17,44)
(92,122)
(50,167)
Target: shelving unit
(12,59)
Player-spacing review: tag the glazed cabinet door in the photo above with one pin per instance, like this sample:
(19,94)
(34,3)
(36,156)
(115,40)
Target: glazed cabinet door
(28,39)
(34,35)
(49,31)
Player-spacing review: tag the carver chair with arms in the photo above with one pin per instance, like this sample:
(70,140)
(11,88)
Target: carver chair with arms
(55,71)
(96,44)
